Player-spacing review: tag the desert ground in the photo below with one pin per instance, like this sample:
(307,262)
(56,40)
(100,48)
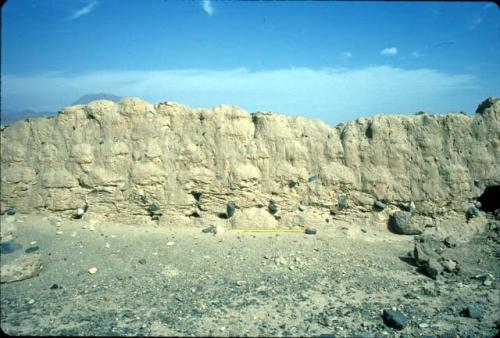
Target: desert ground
(166,281)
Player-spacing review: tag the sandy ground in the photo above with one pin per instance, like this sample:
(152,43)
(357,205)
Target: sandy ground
(182,282)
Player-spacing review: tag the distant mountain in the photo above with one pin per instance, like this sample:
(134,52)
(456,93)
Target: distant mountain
(10,116)
(92,97)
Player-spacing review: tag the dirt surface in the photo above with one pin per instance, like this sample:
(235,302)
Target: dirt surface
(182,282)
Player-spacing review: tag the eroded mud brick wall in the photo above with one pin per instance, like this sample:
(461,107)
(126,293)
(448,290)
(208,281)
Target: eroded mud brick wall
(120,158)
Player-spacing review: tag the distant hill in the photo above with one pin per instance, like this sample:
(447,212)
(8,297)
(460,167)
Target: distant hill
(92,97)
(10,116)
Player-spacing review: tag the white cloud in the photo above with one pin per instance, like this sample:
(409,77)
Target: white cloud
(83,11)
(346,55)
(333,95)
(474,22)
(389,51)
(207,7)
(416,54)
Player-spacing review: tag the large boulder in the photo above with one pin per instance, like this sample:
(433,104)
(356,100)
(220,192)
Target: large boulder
(401,223)
(428,255)
(253,218)
(427,247)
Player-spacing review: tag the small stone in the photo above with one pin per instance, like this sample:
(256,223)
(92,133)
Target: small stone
(142,261)
(449,265)
(477,204)
(311,231)
(379,205)
(484,276)
(473,311)
(32,249)
(342,202)
(59,232)
(32,242)
(364,230)
(471,212)
(10,211)
(450,242)
(272,207)
(230,209)
(31,301)
(153,207)
(54,287)
(301,207)
(280,261)
(80,211)
(423,325)
(170,243)
(433,268)
(209,229)
(394,319)
(410,207)
(312,178)
(93,270)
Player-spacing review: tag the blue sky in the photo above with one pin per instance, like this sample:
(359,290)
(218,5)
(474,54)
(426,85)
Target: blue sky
(333,61)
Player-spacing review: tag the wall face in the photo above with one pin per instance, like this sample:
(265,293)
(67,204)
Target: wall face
(119,158)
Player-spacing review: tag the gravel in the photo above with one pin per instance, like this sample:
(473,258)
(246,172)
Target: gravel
(338,285)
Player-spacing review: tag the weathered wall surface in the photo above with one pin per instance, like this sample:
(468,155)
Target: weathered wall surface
(120,158)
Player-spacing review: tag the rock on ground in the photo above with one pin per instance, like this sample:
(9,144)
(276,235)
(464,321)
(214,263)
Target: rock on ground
(427,254)
(433,268)
(401,223)
(7,230)
(23,267)
(253,218)
(395,319)
(473,311)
